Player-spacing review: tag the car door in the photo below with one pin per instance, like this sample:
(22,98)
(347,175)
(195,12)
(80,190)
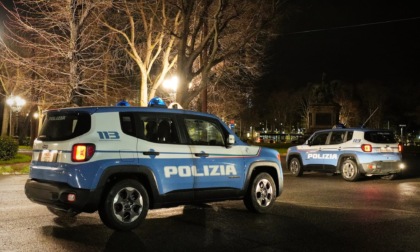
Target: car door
(313,155)
(332,150)
(160,149)
(219,168)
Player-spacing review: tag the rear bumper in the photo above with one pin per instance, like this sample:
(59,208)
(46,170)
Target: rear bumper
(56,195)
(383,168)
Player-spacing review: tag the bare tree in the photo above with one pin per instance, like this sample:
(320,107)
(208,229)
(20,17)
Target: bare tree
(72,60)
(143,30)
(12,82)
(211,32)
(372,102)
(59,40)
(345,96)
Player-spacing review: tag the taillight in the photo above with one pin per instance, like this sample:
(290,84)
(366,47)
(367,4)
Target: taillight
(400,148)
(82,152)
(366,147)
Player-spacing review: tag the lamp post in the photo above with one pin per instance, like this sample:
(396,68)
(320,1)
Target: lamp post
(34,127)
(15,103)
(402,135)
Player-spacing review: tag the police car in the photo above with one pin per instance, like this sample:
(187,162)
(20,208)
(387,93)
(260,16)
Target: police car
(123,161)
(352,152)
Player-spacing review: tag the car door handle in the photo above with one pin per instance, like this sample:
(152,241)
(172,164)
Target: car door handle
(201,154)
(151,153)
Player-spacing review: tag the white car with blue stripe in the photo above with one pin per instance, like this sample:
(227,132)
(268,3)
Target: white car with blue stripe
(123,161)
(351,152)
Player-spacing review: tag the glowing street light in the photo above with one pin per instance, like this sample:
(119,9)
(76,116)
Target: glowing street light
(171,85)
(15,103)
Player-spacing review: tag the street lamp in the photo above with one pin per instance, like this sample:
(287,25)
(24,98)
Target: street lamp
(171,85)
(15,103)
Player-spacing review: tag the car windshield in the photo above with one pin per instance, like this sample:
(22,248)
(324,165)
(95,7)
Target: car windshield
(59,126)
(380,137)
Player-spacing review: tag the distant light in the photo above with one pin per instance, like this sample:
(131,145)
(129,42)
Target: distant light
(171,83)
(16,103)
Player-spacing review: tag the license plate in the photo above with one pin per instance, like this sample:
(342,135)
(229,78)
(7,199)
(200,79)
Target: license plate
(386,149)
(48,156)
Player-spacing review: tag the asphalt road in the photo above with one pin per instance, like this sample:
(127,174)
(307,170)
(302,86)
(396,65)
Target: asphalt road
(315,213)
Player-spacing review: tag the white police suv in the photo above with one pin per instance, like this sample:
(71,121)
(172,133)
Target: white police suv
(123,161)
(352,152)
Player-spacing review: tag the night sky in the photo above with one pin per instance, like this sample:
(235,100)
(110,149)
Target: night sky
(355,41)
(349,40)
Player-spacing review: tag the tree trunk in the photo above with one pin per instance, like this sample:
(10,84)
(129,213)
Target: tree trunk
(5,123)
(74,49)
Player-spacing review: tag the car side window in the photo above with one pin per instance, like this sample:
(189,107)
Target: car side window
(204,132)
(349,136)
(157,129)
(337,137)
(127,122)
(320,138)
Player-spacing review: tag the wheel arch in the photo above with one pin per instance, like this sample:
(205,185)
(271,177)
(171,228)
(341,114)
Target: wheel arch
(114,174)
(269,167)
(346,156)
(294,155)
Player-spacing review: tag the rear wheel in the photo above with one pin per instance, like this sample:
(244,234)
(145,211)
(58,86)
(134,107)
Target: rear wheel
(125,205)
(295,167)
(261,194)
(349,170)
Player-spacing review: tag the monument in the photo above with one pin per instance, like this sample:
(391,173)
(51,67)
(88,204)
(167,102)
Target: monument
(323,112)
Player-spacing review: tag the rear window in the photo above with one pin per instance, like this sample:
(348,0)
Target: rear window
(59,126)
(380,137)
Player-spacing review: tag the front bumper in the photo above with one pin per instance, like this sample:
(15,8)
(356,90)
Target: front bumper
(61,196)
(383,168)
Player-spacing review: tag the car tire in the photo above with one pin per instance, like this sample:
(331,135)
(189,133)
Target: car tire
(349,170)
(295,167)
(125,205)
(261,194)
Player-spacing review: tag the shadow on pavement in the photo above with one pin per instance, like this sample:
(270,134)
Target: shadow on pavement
(412,163)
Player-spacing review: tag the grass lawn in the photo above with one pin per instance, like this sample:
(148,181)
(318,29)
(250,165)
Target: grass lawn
(17,165)
(280,147)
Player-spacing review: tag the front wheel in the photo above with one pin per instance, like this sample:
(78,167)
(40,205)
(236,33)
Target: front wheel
(349,170)
(261,194)
(125,206)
